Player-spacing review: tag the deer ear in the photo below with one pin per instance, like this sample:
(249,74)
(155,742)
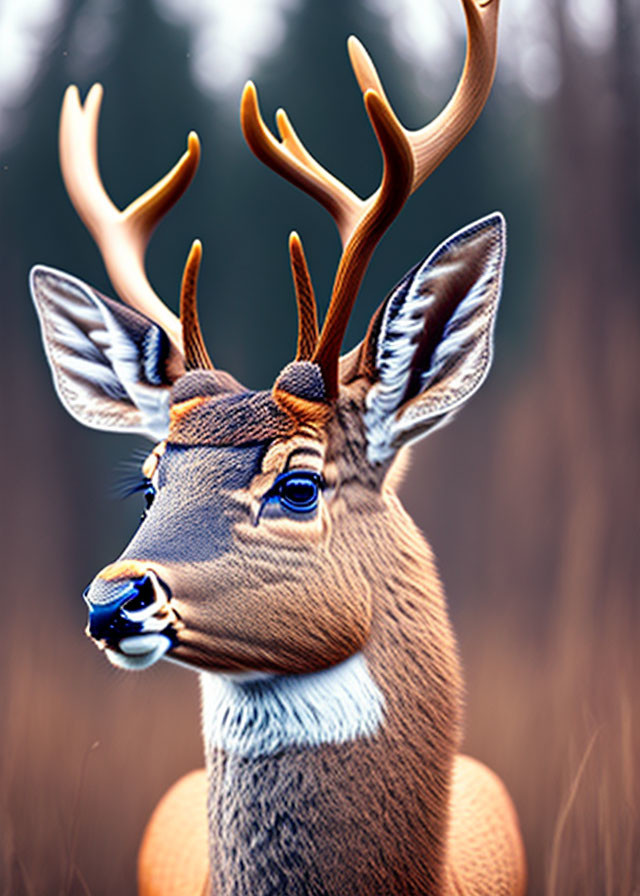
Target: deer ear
(431,345)
(109,363)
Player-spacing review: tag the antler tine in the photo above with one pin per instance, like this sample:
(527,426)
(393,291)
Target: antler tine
(196,356)
(433,142)
(305,300)
(290,159)
(121,236)
(381,209)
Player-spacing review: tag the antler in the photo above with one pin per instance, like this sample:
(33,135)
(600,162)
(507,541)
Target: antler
(121,236)
(409,158)
(305,300)
(196,356)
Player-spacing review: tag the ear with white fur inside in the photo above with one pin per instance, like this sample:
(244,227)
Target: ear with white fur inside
(435,341)
(109,363)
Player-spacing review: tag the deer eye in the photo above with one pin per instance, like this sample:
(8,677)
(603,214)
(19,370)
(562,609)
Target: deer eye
(297,491)
(149,493)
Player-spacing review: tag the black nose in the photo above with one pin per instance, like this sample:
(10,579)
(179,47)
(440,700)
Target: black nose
(110,621)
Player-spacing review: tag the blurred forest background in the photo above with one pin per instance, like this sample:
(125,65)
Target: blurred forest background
(530,499)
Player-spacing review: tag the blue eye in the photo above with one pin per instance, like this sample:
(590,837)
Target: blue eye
(149,493)
(297,491)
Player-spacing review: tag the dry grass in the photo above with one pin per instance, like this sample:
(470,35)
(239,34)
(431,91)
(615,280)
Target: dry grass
(564,737)
(86,753)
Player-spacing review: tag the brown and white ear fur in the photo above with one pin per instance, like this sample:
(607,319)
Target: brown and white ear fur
(109,363)
(433,346)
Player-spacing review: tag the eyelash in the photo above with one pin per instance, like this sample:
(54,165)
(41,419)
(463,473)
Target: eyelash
(285,482)
(134,484)
(128,478)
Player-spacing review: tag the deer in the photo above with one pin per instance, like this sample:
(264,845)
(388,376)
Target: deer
(274,556)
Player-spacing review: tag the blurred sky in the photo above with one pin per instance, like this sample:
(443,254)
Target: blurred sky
(228,39)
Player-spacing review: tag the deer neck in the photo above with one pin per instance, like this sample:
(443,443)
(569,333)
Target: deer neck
(337,782)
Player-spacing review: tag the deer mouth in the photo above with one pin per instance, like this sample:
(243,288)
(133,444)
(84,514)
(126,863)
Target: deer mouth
(140,651)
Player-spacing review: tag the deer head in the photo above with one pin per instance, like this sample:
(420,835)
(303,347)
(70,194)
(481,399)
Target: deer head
(263,507)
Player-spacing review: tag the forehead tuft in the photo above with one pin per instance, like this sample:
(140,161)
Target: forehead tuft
(201,383)
(212,408)
(237,418)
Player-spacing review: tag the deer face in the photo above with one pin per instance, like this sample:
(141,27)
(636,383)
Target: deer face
(253,553)
(232,567)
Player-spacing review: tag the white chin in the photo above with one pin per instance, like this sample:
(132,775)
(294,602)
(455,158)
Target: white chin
(139,651)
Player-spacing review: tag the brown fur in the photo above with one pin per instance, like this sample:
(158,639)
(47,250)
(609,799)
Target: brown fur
(372,815)
(251,586)
(122,570)
(220,420)
(174,858)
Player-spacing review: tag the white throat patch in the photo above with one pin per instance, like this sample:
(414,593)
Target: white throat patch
(263,716)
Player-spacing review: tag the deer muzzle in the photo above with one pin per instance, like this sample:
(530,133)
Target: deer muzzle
(130,618)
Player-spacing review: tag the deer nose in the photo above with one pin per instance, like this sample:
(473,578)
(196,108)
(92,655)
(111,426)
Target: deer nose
(125,613)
